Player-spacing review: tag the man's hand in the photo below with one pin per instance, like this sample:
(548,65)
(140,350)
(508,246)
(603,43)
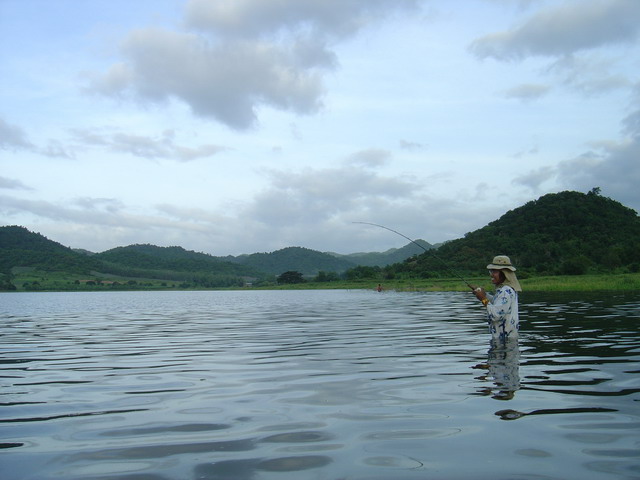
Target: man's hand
(480,293)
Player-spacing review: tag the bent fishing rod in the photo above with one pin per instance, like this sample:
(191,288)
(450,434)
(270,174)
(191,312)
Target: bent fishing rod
(425,249)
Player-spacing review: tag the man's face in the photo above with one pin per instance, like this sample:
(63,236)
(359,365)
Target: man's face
(497,277)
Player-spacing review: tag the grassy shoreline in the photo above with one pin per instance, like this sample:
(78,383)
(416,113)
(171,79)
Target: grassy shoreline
(58,281)
(579,283)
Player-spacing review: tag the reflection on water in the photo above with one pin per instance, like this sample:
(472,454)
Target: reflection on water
(503,367)
(316,385)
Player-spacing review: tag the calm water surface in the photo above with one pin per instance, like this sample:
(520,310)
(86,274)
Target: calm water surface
(316,385)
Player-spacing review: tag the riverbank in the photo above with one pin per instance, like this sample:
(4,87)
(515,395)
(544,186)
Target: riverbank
(577,283)
(58,281)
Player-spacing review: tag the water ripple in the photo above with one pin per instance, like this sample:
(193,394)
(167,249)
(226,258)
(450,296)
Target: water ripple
(315,384)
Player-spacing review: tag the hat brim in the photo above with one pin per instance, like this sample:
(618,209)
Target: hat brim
(491,266)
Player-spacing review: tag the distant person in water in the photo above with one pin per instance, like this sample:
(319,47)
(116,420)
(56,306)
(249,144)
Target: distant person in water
(502,308)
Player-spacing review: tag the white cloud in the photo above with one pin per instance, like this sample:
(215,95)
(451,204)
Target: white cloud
(55,149)
(246,54)
(159,147)
(257,18)
(590,75)
(13,137)
(527,91)
(314,195)
(73,211)
(535,178)
(411,146)
(225,81)
(110,205)
(562,30)
(615,169)
(530,151)
(12,184)
(371,157)
(631,122)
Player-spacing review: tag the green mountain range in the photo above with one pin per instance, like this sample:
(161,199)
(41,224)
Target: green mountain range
(563,233)
(21,248)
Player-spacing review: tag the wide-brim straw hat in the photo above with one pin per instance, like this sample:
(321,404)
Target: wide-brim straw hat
(501,262)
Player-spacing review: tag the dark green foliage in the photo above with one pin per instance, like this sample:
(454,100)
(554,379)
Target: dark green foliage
(290,277)
(20,247)
(364,272)
(169,259)
(14,237)
(307,261)
(326,277)
(5,282)
(191,269)
(578,265)
(563,233)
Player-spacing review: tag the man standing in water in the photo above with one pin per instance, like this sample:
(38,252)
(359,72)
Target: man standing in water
(502,308)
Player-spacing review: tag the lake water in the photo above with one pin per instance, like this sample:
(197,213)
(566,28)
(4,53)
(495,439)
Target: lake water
(328,385)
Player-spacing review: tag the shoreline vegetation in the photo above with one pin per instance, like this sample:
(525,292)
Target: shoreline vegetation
(30,280)
(579,283)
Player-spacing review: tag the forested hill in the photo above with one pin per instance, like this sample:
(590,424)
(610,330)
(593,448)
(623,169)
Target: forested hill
(20,247)
(152,257)
(303,260)
(561,233)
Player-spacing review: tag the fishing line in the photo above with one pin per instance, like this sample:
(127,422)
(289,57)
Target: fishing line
(425,249)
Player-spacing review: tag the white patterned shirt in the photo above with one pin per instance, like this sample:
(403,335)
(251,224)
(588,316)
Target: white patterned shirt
(502,313)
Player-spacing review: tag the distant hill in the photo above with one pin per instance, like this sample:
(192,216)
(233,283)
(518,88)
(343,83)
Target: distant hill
(175,263)
(303,260)
(560,233)
(20,247)
(152,257)
(388,257)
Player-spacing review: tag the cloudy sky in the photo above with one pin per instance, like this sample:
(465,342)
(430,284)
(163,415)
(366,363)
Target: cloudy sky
(242,126)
